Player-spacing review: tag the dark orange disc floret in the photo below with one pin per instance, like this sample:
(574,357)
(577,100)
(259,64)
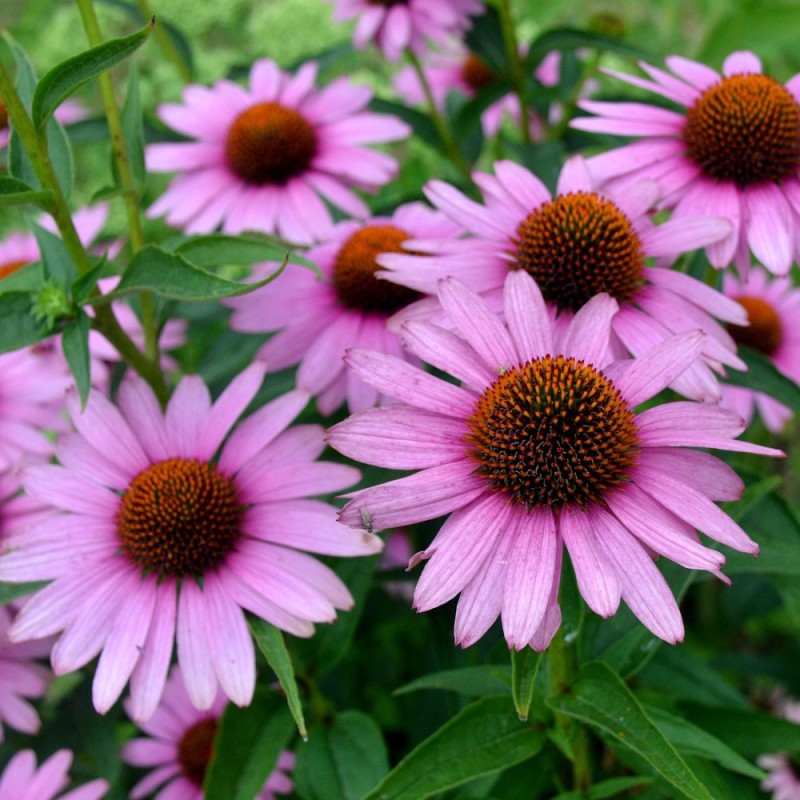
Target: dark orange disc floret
(179,517)
(476,73)
(195,749)
(764,332)
(578,245)
(355,267)
(3,115)
(745,129)
(10,267)
(388,3)
(554,432)
(270,143)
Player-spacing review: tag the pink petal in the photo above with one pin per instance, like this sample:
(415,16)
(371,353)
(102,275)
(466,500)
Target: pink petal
(527,317)
(194,649)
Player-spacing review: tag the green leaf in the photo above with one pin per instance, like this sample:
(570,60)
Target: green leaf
(484,737)
(341,761)
(11,591)
(59,149)
(133,129)
(63,79)
(763,376)
(690,740)
(270,641)
(601,699)
(485,40)
(26,279)
(775,558)
(609,788)
(171,275)
(14,193)
(421,123)
(246,748)
(524,666)
(75,343)
(488,679)
(56,260)
(218,250)
(18,328)
(574,39)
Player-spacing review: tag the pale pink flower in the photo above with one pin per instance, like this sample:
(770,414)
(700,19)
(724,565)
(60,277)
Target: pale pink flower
(783,778)
(146,505)
(179,746)
(22,781)
(71,110)
(318,318)
(732,153)
(773,307)
(397,25)
(457,69)
(264,158)
(540,448)
(575,245)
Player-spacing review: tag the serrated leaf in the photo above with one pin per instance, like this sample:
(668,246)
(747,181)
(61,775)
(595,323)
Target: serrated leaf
(171,275)
(484,737)
(341,761)
(75,343)
(763,376)
(488,679)
(270,641)
(63,79)
(690,740)
(18,328)
(246,748)
(602,700)
(133,129)
(524,666)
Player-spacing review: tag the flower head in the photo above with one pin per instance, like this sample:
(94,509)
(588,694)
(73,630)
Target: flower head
(160,532)
(577,244)
(394,25)
(541,447)
(263,158)
(773,309)
(22,781)
(317,320)
(180,744)
(734,152)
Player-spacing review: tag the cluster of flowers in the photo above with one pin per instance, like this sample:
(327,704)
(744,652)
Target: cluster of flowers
(550,317)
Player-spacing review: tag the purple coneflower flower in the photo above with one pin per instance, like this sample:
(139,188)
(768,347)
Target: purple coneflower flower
(263,158)
(161,532)
(575,245)
(22,781)
(541,448)
(734,152)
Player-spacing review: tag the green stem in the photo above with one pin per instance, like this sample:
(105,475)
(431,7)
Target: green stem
(130,193)
(571,103)
(563,671)
(515,62)
(166,43)
(442,128)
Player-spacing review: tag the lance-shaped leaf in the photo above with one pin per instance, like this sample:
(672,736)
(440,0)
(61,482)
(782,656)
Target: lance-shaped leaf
(763,376)
(14,193)
(63,79)
(18,327)
(75,343)
(171,275)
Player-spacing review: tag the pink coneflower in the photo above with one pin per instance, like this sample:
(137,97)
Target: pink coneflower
(575,245)
(318,319)
(149,504)
(734,153)
(22,781)
(394,25)
(263,158)
(180,745)
(541,447)
(71,110)
(773,307)
(783,778)
(457,69)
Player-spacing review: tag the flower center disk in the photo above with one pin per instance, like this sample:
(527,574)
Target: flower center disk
(269,144)
(745,129)
(354,271)
(179,517)
(553,432)
(10,267)
(3,115)
(195,748)
(578,245)
(476,73)
(765,332)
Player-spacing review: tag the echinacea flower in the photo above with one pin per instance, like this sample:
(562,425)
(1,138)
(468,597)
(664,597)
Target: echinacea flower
(458,69)
(734,152)
(22,781)
(783,770)
(264,158)
(773,309)
(575,245)
(397,25)
(318,319)
(161,532)
(179,746)
(541,448)
(71,110)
